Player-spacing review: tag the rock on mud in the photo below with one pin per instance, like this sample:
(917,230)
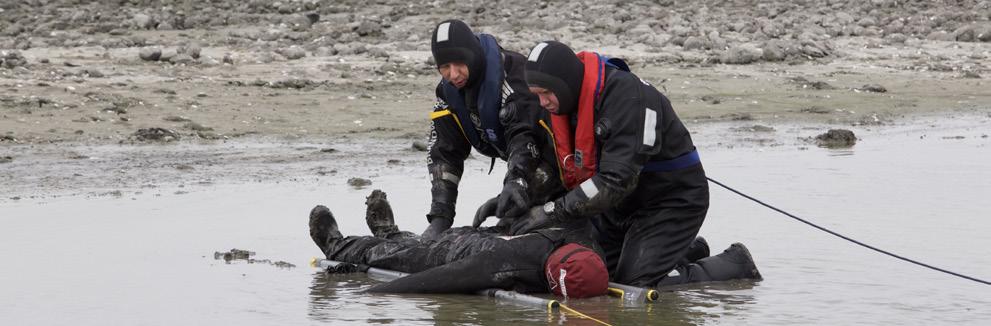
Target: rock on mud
(233,254)
(359,182)
(150,54)
(738,116)
(941,36)
(168,54)
(196,126)
(778,50)
(368,28)
(193,50)
(815,109)
(13,30)
(420,146)
(93,73)
(710,99)
(6,159)
(836,138)
(142,21)
(754,128)
(819,85)
(294,83)
(292,52)
(873,88)
(303,22)
(896,38)
(156,134)
(743,54)
(11,59)
(973,33)
(176,118)
(182,59)
(695,43)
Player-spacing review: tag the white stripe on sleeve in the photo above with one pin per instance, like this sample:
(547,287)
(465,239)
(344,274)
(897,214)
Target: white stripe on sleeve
(649,127)
(588,187)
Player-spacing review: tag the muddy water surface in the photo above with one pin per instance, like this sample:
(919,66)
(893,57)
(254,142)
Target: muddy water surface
(919,190)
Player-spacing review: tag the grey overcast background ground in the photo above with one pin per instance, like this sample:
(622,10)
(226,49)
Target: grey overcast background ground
(122,97)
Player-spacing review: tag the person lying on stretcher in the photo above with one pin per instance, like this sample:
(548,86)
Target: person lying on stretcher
(465,259)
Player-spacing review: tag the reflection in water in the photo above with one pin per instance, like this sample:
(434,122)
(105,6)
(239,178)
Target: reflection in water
(712,302)
(340,298)
(331,294)
(323,297)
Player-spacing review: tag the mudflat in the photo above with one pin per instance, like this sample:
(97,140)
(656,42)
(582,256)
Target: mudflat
(101,98)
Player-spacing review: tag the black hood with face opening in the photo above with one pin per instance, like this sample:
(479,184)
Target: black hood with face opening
(453,41)
(554,66)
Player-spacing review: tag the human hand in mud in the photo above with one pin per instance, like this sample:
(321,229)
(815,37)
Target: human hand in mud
(487,209)
(514,200)
(535,220)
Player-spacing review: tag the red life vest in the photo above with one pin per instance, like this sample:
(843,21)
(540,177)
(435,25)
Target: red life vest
(576,153)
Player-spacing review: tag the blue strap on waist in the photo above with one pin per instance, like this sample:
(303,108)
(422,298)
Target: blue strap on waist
(680,162)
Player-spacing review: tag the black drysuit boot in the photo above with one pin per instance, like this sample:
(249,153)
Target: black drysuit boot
(734,263)
(323,229)
(380,219)
(379,216)
(438,224)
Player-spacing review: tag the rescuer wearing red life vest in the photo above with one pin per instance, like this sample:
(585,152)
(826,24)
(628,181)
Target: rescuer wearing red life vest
(631,168)
(482,102)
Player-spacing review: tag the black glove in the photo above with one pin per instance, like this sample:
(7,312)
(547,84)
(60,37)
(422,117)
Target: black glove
(487,209)
(514,200)
(535,220)
(505,225)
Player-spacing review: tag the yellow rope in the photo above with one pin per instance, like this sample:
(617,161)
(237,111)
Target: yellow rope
(568,309)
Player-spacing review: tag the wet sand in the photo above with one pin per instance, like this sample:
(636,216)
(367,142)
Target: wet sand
(238,91)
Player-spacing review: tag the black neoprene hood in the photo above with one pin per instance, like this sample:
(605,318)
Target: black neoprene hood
(554,66)
(453,41)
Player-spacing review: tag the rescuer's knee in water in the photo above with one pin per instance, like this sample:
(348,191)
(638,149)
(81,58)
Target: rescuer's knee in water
(697,250)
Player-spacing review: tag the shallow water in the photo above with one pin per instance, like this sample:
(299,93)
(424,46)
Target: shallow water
(917,190)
